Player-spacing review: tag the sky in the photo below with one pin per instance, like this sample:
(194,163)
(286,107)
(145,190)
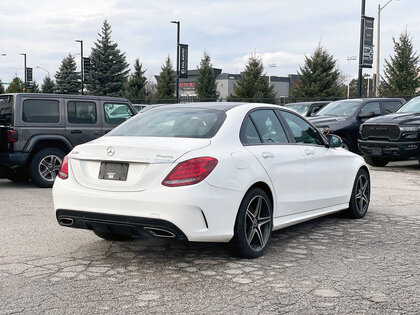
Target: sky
(281,32)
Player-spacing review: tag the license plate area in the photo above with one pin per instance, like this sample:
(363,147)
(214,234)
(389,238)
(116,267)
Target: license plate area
(376,151)
(113,171)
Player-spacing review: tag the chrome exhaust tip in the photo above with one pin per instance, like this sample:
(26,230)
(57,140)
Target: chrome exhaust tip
(66,221)
(159,232)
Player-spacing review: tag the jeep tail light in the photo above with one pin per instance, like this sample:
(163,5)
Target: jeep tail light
(12,135)
(63,173)
(190,172)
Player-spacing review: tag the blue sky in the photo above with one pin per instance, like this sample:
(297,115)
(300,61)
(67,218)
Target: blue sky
(281,31)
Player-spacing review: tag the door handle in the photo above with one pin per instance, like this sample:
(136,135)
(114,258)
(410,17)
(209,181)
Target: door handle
(267,155)
(76,131)
(309,152)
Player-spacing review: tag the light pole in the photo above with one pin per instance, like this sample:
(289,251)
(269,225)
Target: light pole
(81,60)
(350,58)
(24,67)
(270,66)
(178,23)
(367,77)
(362,26)
(39,67)
(378,44)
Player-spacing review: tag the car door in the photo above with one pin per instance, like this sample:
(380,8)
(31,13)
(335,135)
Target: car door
(263,135)
(82,124)
(325,167)
(115,113)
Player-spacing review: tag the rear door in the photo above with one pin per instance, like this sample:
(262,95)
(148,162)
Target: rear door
(115,113)
(82,123)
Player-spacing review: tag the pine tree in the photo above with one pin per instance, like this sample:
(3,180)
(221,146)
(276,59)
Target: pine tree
(252,85)
(165,89)
(108,66)
(402,70)
(136,85)
(319,77)
(16,86)
(35,88)
(48,86)
(67,78)
(2,91)
(206,86)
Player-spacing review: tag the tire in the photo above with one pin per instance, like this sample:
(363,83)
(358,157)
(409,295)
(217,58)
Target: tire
(375,161)
(112,236)
(346,144)
(44,166)
(254,224)
(18,175)
(360,196)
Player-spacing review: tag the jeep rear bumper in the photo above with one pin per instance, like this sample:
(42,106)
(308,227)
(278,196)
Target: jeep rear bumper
(13,160)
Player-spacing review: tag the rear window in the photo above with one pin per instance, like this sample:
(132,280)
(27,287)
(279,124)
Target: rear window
(41,111)
(173,122)
(6,110)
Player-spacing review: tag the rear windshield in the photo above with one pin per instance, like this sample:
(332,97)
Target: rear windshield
(299,108)
(412,106)
(173,122)
(6,110)
(340,108)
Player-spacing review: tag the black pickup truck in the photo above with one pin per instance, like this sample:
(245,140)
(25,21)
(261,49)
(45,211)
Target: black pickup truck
(394,137)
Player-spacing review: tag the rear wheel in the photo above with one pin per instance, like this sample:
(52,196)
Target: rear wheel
(376,161)
(15,175)
(254,224)
(360,196)
(112,236)
(45,165)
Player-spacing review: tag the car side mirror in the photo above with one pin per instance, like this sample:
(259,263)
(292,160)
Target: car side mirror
(334,141)
(367,115)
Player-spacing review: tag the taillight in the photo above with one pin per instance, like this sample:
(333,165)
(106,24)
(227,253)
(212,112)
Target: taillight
(190,172)
(12,135)
(63,173)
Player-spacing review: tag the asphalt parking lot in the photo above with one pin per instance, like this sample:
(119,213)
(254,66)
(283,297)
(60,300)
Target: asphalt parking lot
(331,265)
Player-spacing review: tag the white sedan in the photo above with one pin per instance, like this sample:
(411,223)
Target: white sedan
(212,172)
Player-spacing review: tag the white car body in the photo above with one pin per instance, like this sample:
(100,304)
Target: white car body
(304,181)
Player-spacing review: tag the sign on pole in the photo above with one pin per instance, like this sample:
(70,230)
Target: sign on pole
(183,61)
(29,76)
(367,59)
(86,69)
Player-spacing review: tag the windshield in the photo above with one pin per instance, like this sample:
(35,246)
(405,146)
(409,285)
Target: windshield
(299,108)
(6,110)
(173,122)
(340,108)
(412,106)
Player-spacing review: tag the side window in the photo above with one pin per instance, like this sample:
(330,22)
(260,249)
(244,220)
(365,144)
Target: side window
(314,110)
(390,106)
(371,107)
(302,131)
(41,111)
(81,112)
(116,113)
(268,126)
(250,134)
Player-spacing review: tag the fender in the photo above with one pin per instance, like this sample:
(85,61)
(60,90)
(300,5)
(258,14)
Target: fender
(35,139)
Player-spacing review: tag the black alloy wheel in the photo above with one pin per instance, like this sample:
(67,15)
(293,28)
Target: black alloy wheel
(360,198)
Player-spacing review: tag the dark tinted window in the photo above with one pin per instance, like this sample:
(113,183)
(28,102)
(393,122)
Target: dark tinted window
(41,111)
(390,106)
(268,126)
(6,110)
(250,134)
(81,112)
(116,113)
(302,131)
(173,122)
(371,107)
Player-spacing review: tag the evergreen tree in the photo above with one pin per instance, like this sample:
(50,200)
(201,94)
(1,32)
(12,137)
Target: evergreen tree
(108,66)
(67,78)
(319,77)
(402,70)
(354,87)
(35,88)
(252,85)
(16,86)
(2,91)
(136,85)
(165,89)
(206,86)
(48,85)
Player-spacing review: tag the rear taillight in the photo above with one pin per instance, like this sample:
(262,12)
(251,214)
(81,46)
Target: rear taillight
(12,136)
(190,172)
(63,173)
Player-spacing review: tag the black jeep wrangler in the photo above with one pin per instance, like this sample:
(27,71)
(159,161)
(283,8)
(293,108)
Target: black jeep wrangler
(394,137)
(38,130)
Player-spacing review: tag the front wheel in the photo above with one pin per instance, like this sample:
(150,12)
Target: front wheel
(254,224)
(360,196)
(45,165)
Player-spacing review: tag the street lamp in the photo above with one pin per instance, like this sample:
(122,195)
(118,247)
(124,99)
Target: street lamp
(378,43)
(350,58)
(81,60)
(178,23)
(270,66)
(39,67)
(24,67)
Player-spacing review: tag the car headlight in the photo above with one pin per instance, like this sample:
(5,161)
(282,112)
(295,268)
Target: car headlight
(410,128)
(324,130)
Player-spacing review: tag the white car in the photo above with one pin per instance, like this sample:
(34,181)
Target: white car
(212,172)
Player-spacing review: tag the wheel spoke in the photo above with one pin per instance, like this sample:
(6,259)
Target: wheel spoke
(44,163)
(263,221)
(44,173)
(260,236)
(251,235)
(250,215)
(258,207)
(359,195)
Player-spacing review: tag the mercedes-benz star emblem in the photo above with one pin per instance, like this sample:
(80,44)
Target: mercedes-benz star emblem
(110,151)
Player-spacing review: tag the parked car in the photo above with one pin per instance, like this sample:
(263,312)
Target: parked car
(38,130)
(209,172)
(395,137)
(306,108)
(344,117)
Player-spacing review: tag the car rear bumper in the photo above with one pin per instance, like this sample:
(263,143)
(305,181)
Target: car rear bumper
(13,160)
(390,150)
